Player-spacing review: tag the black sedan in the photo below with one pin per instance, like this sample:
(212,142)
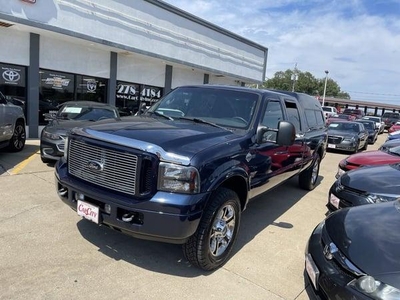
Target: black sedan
(71,114)
(365,185)
(347,136)
(354,253)
(371,128)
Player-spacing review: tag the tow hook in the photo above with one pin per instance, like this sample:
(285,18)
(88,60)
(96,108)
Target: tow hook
(128,217)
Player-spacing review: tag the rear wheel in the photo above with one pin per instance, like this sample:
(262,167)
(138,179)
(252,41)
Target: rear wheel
(210,246)
(308,178)
(18,138)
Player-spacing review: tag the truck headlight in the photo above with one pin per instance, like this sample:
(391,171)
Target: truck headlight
(178,179)
(374,288)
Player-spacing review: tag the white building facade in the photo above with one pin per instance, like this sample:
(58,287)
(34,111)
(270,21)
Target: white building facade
(120,52)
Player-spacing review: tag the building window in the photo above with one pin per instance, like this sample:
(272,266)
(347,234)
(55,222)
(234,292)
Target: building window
(127,98)
(91,88)
(13,84)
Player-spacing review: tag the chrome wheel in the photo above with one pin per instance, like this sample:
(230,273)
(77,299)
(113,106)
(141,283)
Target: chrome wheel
(222,230)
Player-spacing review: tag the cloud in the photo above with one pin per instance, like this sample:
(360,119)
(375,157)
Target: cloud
(357,41)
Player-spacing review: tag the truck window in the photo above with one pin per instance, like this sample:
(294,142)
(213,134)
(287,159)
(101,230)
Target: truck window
(293,114)
(273,114)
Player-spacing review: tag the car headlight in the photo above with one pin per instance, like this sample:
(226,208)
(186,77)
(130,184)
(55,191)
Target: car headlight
(375,289)
(178,179)
(51,136)
(349,139)
(374,198)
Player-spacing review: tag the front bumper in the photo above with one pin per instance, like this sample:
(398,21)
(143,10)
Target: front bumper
(331,280)
(351,147)
(340,197)
(51,149)
(165,217)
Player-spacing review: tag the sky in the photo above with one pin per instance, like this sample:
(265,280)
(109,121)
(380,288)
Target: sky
(356,41)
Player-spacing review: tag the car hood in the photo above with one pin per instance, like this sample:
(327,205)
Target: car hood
(63,126)
(372,158)
(344,134)
(377,179)
(181,137)
(369,237)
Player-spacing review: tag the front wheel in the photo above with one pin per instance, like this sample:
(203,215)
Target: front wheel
(308,178)
(210,246)
(18,138)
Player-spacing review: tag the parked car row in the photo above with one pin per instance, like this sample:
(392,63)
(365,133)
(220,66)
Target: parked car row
(353,253)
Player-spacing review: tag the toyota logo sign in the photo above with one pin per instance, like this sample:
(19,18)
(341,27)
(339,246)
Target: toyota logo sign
(11,75)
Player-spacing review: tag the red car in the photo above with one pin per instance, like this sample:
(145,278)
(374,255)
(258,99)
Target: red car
(377,157)
(340,117)
(394,127)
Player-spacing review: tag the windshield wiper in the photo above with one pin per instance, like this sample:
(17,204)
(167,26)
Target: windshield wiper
(161,115)
(197,120)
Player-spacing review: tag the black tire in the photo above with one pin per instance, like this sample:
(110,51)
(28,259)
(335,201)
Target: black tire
(357,148)
(217,231)
(18,139)
(309,177)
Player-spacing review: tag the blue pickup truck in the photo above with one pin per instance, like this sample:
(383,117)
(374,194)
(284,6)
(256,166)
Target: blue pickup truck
(183,171)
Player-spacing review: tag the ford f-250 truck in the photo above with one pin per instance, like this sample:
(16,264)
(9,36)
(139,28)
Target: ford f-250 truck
(184,171)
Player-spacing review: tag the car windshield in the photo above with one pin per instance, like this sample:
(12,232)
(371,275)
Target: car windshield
(82,112)
(228,108)
(368,125)
(391,115)
(345,126)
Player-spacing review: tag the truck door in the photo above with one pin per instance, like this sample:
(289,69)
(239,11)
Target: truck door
(268,160)
(295,154)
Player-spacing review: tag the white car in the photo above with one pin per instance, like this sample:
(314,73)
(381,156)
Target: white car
(329,111)
(378,121)
(12,126)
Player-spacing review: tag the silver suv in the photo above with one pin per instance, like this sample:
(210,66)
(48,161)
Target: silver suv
(12,126)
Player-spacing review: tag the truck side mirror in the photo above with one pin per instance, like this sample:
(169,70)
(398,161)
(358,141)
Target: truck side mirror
(286,134)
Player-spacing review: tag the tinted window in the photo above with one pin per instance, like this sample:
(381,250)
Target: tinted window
(81,112)
(293,115)
(273,114)
(346,126)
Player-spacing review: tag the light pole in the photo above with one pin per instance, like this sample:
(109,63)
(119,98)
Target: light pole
(326,80)
(294,78)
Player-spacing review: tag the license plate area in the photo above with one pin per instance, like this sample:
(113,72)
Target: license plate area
(312,271)
(88,211)
(333,146)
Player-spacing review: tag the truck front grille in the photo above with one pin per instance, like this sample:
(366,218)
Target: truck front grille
(107,168)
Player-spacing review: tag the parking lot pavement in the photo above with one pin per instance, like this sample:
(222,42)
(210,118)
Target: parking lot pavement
(48,252)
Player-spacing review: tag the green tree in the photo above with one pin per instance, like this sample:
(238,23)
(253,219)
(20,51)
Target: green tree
(304,82)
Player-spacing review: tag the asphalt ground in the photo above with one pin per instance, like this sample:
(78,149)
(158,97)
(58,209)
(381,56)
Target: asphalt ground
(48,252)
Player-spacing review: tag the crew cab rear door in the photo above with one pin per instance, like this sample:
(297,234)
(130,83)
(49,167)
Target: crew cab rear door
(272,164)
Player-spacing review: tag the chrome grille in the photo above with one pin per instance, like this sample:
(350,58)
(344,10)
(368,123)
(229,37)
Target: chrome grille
(113,169)
(334,139)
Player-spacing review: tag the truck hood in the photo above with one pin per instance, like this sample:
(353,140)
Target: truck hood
(372,158)
(181,137)
(377,179)
(368,235)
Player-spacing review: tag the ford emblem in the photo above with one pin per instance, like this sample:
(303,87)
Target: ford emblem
(95,166)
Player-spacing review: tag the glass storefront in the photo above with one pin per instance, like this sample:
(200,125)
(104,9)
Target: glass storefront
(58,87)
(13,84)
(131,96)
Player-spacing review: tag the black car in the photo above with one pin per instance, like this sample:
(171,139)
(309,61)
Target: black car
(354,253)
(373,131)
(347,136)
(71,114)
(365,185)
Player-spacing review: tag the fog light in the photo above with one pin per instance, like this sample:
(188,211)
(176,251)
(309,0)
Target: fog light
(107,208)
(79,196)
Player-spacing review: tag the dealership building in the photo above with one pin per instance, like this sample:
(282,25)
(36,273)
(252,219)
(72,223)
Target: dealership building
(120,52)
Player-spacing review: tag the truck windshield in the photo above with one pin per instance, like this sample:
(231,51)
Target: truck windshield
(228,108)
